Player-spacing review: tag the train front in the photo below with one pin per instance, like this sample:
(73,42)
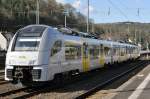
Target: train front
(25,58)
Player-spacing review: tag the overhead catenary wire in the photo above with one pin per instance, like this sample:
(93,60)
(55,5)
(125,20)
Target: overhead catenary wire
(138,10)
(117,8)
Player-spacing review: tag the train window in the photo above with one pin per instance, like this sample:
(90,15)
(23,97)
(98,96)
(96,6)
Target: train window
(127,50)
(118,51)
(114,51)
(28,39)
(33,31)
(72,52)
(107,51)
(85,50)
(26,44)
(101,50)
(122,53)
(94,52)
(56,47)
(135,50)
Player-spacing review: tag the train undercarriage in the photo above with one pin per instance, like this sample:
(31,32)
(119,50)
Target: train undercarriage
(23,74)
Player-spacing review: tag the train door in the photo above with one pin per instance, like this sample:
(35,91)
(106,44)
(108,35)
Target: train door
(101,56)
(85,58)
(56,55)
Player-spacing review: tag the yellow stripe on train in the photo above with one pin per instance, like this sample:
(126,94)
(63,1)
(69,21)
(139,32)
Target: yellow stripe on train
(102,61)
(86,64)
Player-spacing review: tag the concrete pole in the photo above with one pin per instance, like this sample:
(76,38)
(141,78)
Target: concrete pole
(88,18)
(65,21)
(37,11)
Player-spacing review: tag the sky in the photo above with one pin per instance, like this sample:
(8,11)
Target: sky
(109,11)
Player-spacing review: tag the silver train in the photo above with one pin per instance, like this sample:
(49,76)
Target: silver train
(40,53)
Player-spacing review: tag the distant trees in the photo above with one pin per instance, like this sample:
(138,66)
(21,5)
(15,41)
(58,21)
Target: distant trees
(137,32)
(17,13)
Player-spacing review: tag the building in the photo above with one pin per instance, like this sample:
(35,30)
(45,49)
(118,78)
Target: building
(3,42)
(5,38)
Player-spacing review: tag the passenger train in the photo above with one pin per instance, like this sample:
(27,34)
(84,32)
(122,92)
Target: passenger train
(40,53)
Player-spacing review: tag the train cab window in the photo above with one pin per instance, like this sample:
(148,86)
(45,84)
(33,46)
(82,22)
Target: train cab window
(28,39)
(56,47)
(33,31)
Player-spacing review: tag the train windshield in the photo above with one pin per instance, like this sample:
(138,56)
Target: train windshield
(28,39)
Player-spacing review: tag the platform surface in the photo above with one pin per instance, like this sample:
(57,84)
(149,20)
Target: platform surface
(138,87)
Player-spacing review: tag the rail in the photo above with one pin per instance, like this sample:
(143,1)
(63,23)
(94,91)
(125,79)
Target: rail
(102,85)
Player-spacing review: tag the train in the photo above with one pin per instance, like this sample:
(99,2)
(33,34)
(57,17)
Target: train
(41,53)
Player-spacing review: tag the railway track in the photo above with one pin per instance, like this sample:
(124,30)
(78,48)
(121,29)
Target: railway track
(2,76)
(109,81)
(68,91)
(13,93)
(33,91)
(25,92)
(2,81)
(2,72)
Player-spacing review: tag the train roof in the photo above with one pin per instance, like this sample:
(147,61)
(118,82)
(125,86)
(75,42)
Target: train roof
(73,35)
(91,41)
(78,36)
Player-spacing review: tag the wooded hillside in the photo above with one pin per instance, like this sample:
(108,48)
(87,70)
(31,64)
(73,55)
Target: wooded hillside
(15,14)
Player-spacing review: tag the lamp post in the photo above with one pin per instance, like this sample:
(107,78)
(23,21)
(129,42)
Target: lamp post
(65,13)
(88,17)
(147,48)
(37,11)
(128,30)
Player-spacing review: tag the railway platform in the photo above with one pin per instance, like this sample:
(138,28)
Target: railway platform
(137,87)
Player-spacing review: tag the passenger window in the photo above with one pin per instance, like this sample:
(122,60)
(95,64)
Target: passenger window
(94,52)
(101,50)
(107,51)
(122,52)
(72,52)
(85,50)
(56,48)
(114,51)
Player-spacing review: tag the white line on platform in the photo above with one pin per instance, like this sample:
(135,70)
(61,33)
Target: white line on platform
(140,88)
(122,87)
